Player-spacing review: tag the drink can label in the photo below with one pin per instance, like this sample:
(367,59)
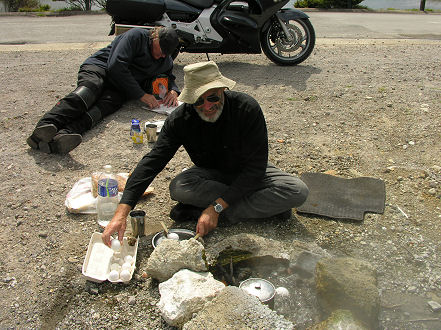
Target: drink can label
(107,187)
(135,132)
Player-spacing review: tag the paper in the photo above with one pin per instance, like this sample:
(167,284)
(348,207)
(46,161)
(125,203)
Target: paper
(164,110)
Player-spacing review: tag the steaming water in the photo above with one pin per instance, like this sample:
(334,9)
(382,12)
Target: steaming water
(300,307)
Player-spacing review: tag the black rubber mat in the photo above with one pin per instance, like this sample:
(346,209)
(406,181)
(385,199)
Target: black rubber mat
(341,198)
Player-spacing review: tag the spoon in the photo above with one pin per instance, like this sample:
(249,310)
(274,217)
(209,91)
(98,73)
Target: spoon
(165,228)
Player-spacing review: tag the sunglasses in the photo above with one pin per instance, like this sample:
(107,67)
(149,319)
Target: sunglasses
(211,98)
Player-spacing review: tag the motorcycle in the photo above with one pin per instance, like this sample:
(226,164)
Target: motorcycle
(285,35)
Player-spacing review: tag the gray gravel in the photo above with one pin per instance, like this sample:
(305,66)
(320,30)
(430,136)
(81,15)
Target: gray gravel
(356,107)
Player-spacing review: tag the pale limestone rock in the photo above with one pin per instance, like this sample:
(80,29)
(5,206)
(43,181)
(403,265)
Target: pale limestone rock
(171,256)
(233,308)
(185,294)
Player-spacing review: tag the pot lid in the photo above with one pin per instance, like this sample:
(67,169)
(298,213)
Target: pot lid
(262,289)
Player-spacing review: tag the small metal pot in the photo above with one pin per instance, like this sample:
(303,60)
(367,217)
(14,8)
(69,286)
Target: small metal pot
(262,289)
(182,233)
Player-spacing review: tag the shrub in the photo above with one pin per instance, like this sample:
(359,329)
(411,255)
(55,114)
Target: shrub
(71,8)
(327,3)
(39,9)
(15,5)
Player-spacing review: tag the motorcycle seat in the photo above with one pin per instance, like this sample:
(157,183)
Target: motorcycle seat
(199,3)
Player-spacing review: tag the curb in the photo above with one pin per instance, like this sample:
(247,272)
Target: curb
(100,44)
(53,14)
(376,11)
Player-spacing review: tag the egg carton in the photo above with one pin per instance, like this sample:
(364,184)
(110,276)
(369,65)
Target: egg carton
(99,257)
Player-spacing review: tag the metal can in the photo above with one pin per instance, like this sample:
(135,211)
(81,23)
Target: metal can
(137,221)
(136,133)
(150,132)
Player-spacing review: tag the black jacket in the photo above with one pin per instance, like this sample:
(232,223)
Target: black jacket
(129,63)
(236,144)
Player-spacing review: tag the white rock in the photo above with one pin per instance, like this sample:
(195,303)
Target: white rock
(185,294)
(171,256)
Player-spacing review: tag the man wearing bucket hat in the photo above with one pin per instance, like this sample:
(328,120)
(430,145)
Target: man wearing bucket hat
(224,132)
(121,71)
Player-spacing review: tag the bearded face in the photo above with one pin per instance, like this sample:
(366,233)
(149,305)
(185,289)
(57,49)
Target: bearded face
(209,105)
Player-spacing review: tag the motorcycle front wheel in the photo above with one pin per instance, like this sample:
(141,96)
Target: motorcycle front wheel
(282,51)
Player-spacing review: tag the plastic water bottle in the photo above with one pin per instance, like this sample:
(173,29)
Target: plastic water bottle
(107,199)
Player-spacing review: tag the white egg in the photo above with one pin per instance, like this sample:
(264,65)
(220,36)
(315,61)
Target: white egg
(173,236)
(125,275)
(115,245)
(117,260)
(128,258)
(113,275)
(282,291)
(126,265)
(115,267)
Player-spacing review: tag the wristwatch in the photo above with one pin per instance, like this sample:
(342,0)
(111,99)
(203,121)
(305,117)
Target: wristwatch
(217,207)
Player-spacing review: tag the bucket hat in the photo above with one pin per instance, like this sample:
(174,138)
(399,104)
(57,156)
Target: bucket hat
(199,78)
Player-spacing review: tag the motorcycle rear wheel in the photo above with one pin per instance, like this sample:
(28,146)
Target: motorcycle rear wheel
(280,50)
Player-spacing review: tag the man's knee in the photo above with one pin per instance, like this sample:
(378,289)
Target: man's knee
(184,186)
(303,192)
(300,192)
(295,190)
(177,190)
(86,95)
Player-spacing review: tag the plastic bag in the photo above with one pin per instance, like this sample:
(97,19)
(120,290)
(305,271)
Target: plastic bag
(80,199)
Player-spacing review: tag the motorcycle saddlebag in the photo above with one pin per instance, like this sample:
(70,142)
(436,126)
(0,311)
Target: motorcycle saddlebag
(136,10)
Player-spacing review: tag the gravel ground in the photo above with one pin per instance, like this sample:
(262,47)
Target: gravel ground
(355,107)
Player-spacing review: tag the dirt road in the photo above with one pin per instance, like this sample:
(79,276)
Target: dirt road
(356,107)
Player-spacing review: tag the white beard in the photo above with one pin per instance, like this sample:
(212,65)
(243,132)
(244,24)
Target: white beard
(209,119)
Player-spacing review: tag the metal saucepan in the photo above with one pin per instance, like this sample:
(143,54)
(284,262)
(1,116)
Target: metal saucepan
(183,234)
(261,288)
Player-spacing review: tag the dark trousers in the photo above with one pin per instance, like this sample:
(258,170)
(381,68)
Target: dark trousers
(278,192)
(72,115)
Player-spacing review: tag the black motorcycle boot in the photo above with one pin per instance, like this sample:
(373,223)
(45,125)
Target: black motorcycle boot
(62,143)
(185,212)
(43,133)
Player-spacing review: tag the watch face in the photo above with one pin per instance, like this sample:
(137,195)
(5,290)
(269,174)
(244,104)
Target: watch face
(218,208)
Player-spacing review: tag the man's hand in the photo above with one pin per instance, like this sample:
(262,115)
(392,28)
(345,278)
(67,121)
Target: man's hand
(150,100)
(170,99)
(117,224)
(207,221)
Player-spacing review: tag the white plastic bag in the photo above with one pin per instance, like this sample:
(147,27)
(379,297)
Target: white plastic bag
(80,199)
